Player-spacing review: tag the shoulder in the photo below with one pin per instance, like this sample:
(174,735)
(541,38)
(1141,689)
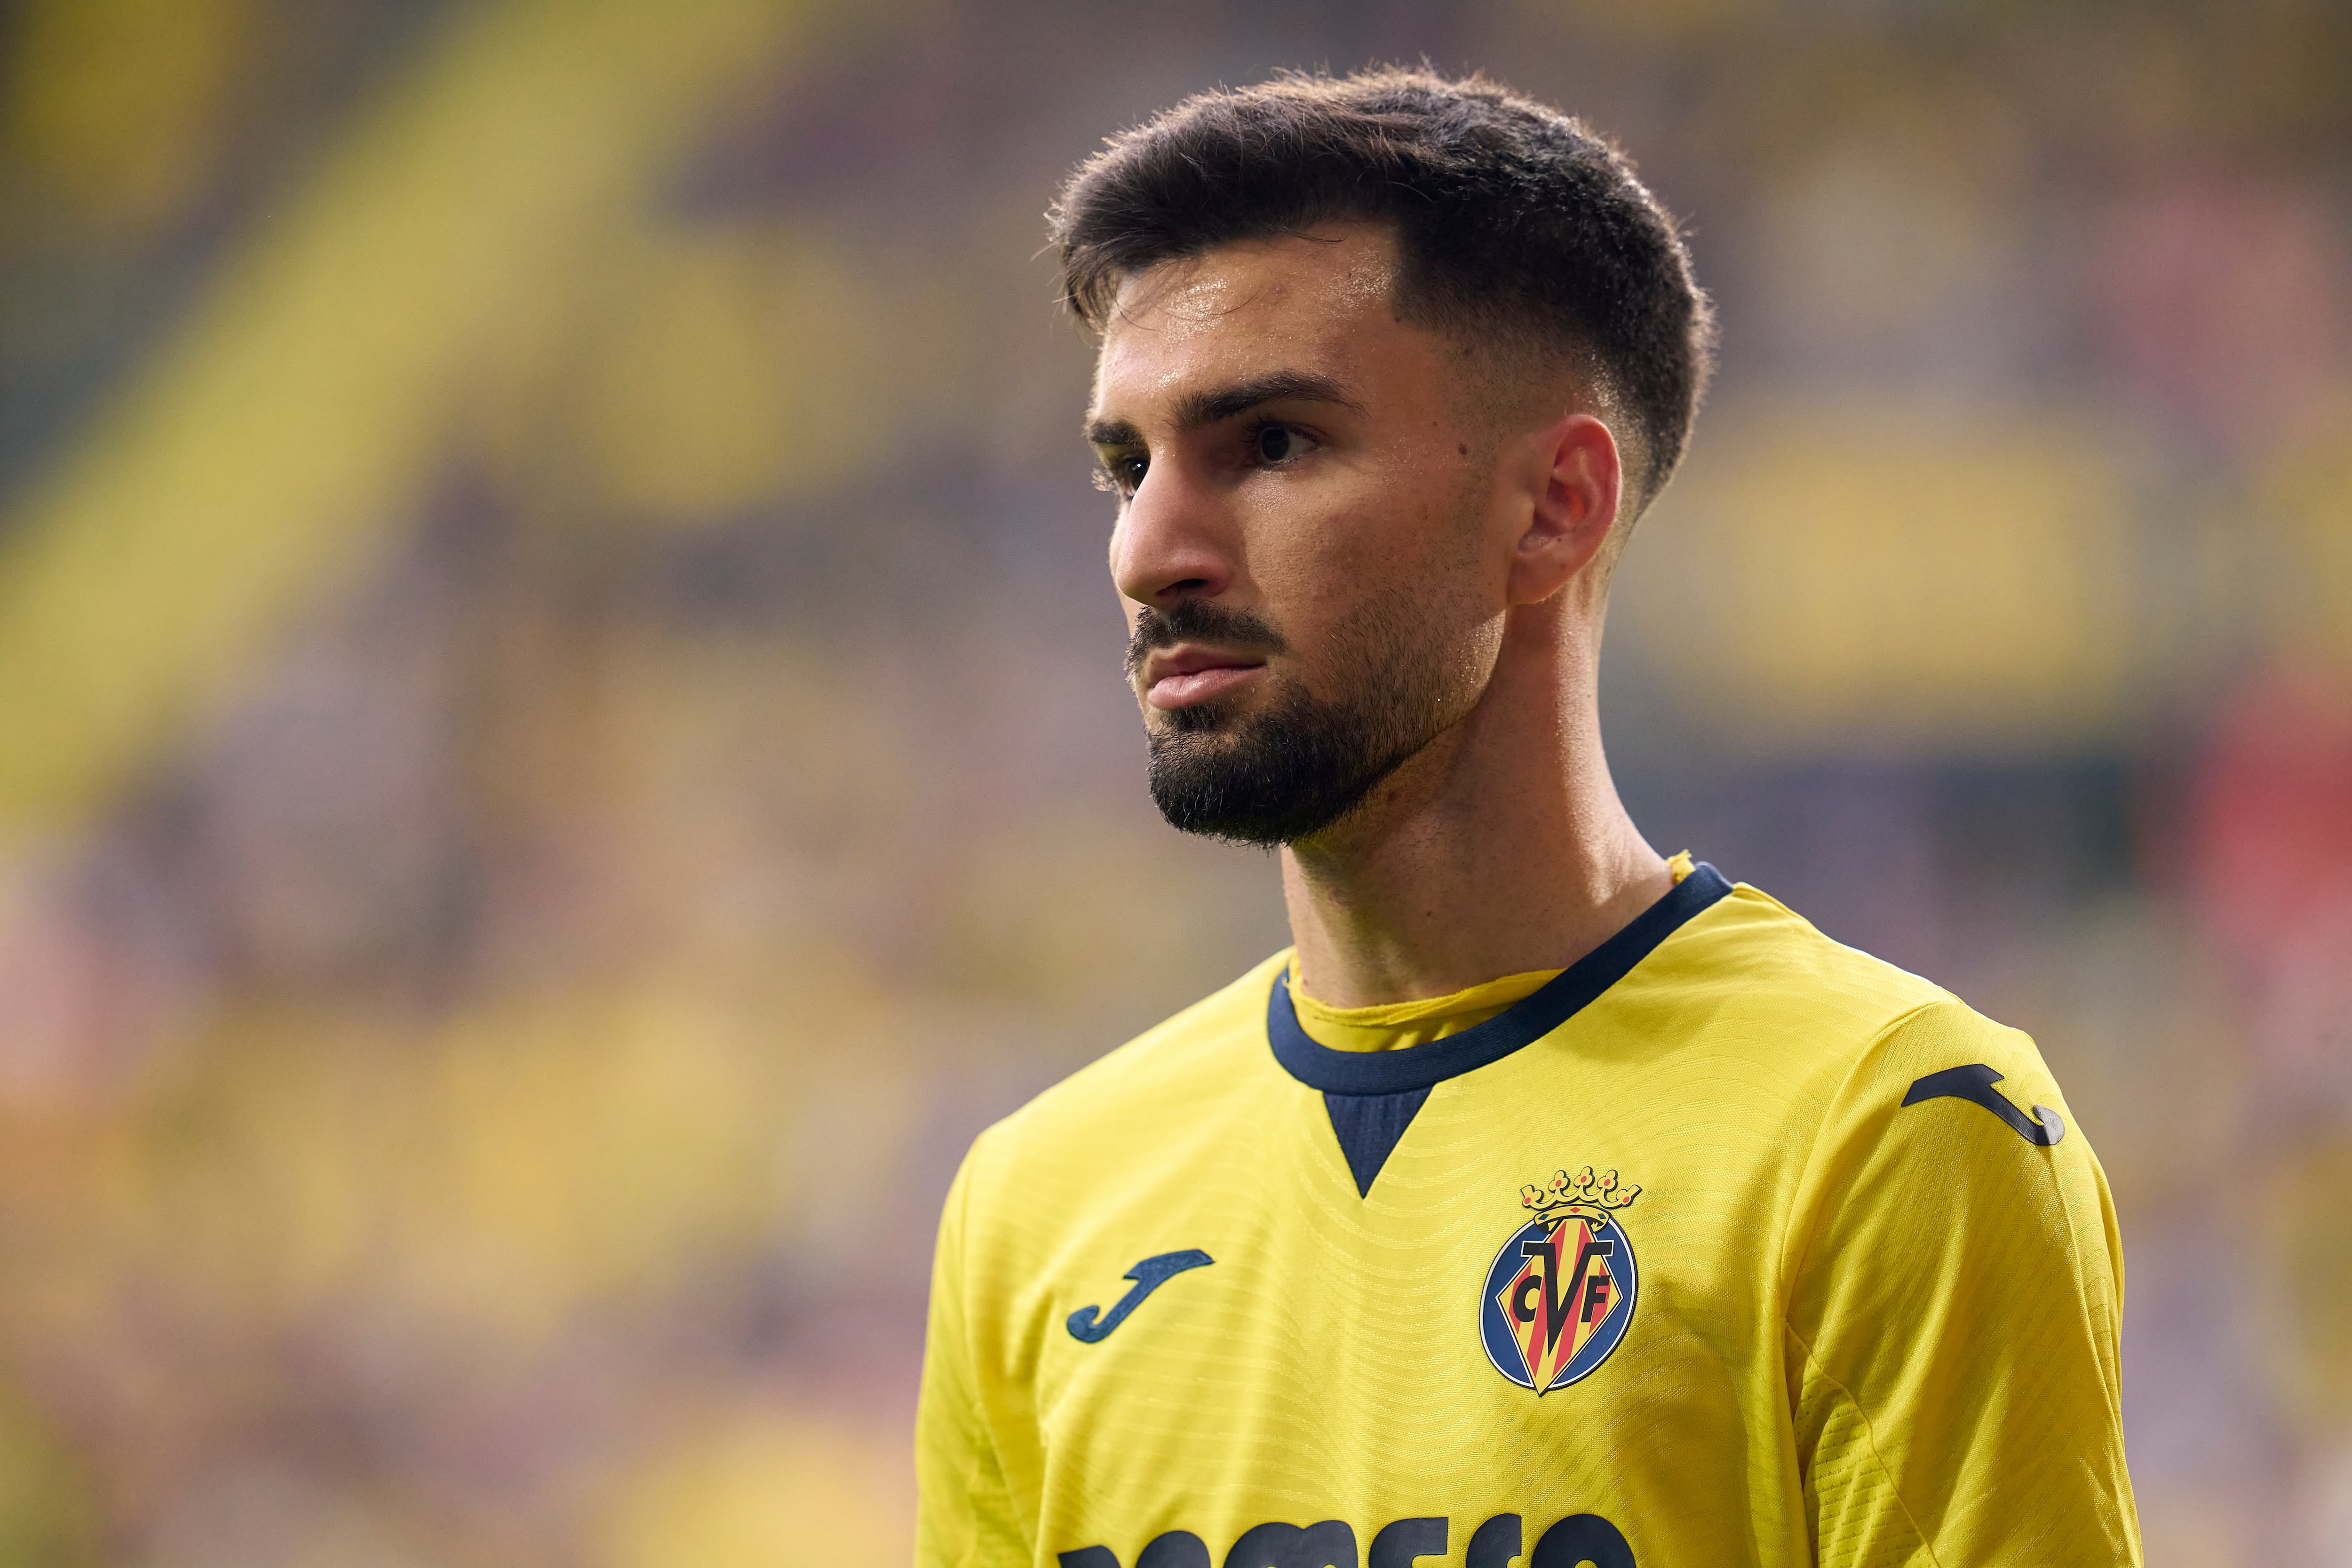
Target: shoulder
(1838,1012)
(1195,1049)
(1829,1052)
(1902,1100)
(1755,979)
(1751,944)
(1171,1074)
(1754,1016)
(1905,1093)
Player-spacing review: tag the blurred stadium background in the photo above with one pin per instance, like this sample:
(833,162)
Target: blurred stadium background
(562,746)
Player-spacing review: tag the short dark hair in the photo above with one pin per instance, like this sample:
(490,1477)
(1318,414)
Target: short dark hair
(1518,227)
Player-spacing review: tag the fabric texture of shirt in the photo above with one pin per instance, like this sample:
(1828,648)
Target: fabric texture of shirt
(1726,1245)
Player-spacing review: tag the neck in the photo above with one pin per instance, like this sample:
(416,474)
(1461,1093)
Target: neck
(1500,848)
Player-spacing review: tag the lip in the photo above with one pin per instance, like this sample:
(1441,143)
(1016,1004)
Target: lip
(1188,673)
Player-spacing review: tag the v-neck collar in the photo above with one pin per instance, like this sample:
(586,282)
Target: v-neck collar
(1422,1068)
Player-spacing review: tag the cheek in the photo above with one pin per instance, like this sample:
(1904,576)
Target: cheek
(1380,527)
(1405,624)
(1447,596)
(1398,545)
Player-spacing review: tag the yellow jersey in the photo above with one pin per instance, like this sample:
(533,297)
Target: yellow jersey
(1726,1245)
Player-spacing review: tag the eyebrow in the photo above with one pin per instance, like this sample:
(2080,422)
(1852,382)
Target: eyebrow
(1197,410)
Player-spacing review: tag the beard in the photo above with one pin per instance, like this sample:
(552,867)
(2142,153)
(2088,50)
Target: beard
(1302,764)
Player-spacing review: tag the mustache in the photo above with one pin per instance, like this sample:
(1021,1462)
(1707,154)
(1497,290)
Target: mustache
(1199,620)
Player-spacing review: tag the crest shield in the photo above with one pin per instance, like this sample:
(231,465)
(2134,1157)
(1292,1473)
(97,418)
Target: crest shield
(1561,1293)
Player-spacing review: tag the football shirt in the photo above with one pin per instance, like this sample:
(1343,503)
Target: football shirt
(1726,1245)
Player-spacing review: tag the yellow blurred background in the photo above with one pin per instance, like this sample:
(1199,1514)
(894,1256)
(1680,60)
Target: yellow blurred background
(562,746)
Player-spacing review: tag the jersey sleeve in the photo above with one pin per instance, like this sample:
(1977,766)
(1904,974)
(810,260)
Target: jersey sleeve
(1955,1283)
(964,1514)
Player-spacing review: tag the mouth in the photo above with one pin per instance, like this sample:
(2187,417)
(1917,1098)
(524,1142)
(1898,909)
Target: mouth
(1188,674)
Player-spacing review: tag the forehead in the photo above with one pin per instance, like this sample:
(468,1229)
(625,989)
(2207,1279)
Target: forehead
(1321,300)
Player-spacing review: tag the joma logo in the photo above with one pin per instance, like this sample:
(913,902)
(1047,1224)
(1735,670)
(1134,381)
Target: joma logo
(1331,1544)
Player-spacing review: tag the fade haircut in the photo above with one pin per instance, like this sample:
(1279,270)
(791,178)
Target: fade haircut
(1520,232)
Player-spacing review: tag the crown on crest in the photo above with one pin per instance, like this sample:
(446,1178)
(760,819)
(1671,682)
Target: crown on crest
(1585,1194)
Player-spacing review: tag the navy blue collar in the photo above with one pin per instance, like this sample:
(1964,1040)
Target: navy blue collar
(1522,1024)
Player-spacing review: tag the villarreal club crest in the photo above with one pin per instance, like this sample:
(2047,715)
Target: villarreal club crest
(1559,1296)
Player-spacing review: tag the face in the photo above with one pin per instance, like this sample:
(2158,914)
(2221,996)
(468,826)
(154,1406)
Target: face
(1307,546)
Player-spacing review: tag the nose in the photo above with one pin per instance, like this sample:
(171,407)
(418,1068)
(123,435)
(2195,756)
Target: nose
(1173,543)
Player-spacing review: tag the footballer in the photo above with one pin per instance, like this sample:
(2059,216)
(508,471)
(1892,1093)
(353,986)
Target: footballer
(1552,1201)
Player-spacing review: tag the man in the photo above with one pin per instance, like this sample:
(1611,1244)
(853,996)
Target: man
(1553,1202)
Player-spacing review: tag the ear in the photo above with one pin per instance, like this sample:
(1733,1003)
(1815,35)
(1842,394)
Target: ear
(1575,507)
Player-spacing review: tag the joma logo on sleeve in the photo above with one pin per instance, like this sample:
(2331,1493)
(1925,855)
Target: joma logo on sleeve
(1974,1084)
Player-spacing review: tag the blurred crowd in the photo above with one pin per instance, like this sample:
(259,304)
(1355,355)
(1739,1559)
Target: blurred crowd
(562,743)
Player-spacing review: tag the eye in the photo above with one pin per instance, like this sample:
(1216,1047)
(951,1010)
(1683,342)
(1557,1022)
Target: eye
(1123,474)
(1273,445)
